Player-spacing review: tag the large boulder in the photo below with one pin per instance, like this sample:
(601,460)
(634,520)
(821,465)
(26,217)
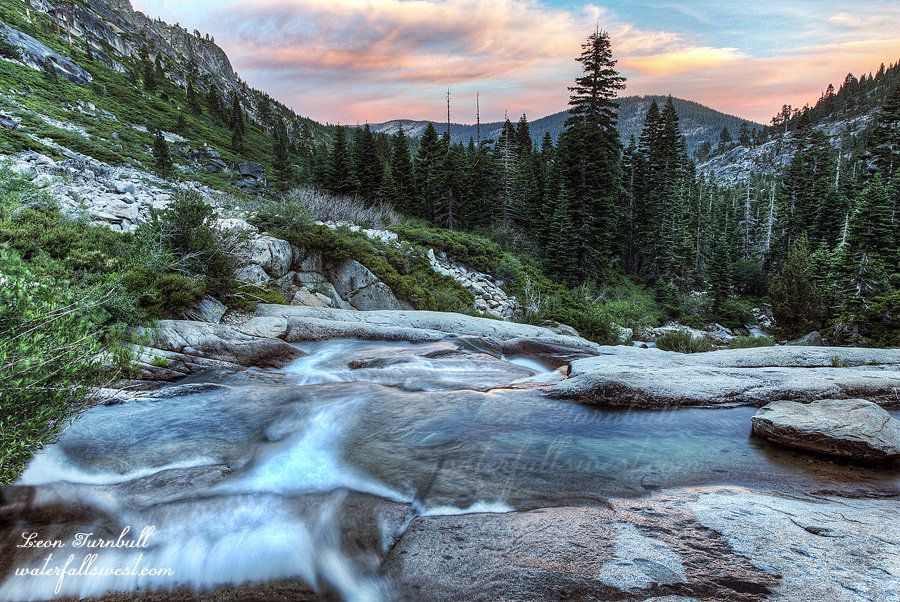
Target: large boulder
(813,339)
(272,254)
(854,428)
(223,343)
(252,170)
(360,287)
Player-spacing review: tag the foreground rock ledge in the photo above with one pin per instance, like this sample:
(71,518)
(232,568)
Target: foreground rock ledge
(624,376)
(853,428)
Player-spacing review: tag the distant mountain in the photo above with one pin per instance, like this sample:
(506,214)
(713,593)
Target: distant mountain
(699,123)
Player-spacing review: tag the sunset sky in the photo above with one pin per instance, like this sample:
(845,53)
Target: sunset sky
(356,61)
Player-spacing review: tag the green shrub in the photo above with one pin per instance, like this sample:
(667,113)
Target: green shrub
(50,341)
(164,295)
(161,362)
(735,312)
(187,230)
(683,341)
(751,341)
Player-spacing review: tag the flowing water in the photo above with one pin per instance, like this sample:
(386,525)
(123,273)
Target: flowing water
(312,472)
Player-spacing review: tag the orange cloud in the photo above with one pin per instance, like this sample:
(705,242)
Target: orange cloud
(679,61)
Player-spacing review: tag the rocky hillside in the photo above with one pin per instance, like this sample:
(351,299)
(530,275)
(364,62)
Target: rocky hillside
(98,79)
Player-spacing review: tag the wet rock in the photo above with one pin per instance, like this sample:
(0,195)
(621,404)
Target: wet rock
(310,324)
(654,549)
(824,547)
(853,428)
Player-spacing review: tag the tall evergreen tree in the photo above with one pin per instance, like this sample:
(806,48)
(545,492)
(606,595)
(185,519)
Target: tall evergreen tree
(427,163)
(885,138)
(796,300)
(193,104)
(281,165)
(590,156)
(162,157)
(340,176)
(367,163)
(865,260)
(401,173)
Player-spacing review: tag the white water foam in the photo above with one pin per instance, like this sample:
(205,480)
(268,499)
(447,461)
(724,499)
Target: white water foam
(229,540)
(475,508)
(52,466)
(310,460)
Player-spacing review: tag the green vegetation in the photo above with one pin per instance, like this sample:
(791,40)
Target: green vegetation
(683,341)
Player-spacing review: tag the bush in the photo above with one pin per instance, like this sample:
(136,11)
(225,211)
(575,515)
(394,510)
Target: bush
(8,50)
(50,341)
(187,230)
(751,341)
(735,313)
(683,341)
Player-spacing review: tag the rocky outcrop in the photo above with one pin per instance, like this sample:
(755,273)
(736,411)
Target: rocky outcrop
(225,346)
(35,55)
(483,334)
(118,198)
(853,428)
(489,297)
(624,376)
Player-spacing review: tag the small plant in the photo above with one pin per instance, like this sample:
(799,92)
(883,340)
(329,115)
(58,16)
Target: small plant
(838,362)
(160,362)
(683,341)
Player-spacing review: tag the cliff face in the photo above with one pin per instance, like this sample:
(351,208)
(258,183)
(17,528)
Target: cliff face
(115,31)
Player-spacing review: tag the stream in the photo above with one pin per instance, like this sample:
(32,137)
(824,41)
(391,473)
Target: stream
(314,471)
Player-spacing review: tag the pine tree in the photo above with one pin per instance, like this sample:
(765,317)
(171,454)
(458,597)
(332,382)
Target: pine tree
(281,165)
(237,142)
(401,170)
(162,158)
(150,81)
(367,163)
(214,104)
(866,259)
(236,118)
(427,161)
(885,138)
(796,300)
(341,179)
(192,103)
(590,156)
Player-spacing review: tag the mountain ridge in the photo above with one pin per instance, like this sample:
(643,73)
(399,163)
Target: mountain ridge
(699,123)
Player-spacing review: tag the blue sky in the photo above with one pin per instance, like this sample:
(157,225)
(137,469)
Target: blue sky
(355,61)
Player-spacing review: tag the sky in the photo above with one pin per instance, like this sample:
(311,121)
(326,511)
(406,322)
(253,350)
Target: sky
(370,61)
